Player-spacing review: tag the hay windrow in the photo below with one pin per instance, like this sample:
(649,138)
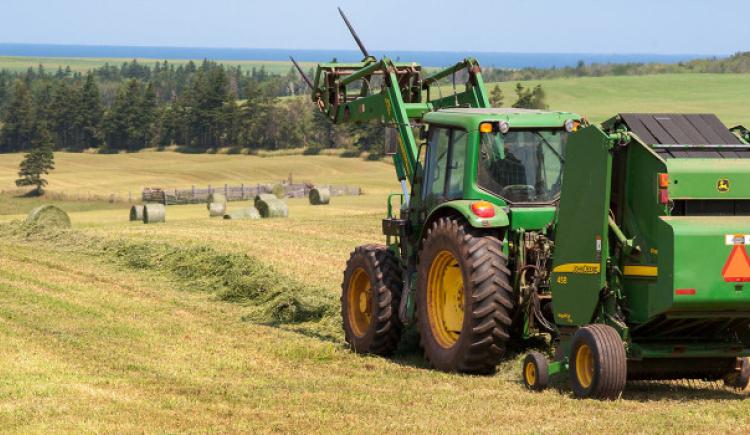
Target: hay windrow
(48,216)
(272,297)
(320,196)
(243,214)
(136,213)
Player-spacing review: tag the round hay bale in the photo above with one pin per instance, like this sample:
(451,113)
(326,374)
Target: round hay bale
(154,213)
(136,213)
(320,196)
(243,214)
(271,208)
(49,216)
(279,191)
(217,209)
(264,197)
(217,198)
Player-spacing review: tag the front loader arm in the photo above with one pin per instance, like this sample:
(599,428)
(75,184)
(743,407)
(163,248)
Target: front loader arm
(347,92)
(396,103)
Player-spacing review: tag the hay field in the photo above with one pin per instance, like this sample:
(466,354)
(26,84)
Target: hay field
(123,173)
(116,326)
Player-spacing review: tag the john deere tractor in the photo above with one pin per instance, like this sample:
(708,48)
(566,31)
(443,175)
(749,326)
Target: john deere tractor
(485,234)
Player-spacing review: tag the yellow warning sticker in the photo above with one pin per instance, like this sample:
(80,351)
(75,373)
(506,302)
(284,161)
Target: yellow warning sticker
(582,268)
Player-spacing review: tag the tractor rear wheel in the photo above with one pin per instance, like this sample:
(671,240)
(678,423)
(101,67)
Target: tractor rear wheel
(464,298)
(370,295)
(598,364)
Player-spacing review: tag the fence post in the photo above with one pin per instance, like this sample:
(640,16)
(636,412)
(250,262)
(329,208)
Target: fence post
(192,193)
(226,192)
(242,192)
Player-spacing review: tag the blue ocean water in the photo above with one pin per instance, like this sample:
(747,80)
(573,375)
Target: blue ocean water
(426,58)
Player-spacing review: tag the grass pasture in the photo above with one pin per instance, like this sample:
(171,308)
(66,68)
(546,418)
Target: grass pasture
(599,98)
(116,326)
(83,64)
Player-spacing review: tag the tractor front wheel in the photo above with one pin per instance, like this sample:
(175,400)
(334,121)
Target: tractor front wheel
(370,295)
(535,371)
(464,298)
(598,364)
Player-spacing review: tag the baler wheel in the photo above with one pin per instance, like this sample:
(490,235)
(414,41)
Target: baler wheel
(464,298)
(598,364)
(370,295)
(535,371)
(739,380)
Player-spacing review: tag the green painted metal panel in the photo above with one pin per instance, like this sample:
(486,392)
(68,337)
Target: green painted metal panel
(700,178)
(581,237)
(500,220)
(699,255)
(637,212)
(470,118)
(531,218)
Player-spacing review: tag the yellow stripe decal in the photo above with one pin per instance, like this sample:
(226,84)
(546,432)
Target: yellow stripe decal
(640,271)
(584,268)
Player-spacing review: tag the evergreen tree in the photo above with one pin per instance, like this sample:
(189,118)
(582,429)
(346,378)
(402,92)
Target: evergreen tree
(496,97)
(62,111)
(18,120)
(530,98)
(39,161)
(128,123)
(89,114)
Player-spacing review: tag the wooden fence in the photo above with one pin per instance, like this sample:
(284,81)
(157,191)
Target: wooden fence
(236,193)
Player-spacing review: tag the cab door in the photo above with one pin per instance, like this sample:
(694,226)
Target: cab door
(445,166)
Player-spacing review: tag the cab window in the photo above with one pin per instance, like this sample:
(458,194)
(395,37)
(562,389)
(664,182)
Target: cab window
(446,161)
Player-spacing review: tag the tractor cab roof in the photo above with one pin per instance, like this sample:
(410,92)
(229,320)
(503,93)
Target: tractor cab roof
(470,118)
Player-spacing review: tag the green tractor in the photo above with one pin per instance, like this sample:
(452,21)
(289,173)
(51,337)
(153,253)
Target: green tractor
(485,233)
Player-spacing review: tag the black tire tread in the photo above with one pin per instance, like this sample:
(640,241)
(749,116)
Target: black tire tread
(542,370)
(387,287)
(492,298)
(609,350)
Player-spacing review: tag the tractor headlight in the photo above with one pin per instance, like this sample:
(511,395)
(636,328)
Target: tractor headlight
(503,127)
(571,125)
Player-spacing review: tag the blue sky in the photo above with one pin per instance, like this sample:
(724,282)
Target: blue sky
(622,26)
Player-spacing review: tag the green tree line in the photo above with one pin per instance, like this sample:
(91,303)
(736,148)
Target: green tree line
(207,105)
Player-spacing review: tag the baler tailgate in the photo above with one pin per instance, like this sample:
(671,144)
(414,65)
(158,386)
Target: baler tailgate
(709,265)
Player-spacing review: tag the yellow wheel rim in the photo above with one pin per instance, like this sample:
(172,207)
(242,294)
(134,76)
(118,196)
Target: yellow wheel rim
(585,366)
(360,302)
(530,373)
(445,299)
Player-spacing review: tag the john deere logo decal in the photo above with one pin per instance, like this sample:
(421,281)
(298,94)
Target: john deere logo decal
(723,185)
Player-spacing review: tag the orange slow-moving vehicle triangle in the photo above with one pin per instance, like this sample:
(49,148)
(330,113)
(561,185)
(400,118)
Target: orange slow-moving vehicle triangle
(737,268)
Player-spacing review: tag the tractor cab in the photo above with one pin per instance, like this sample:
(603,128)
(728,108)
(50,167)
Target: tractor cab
(510,158)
